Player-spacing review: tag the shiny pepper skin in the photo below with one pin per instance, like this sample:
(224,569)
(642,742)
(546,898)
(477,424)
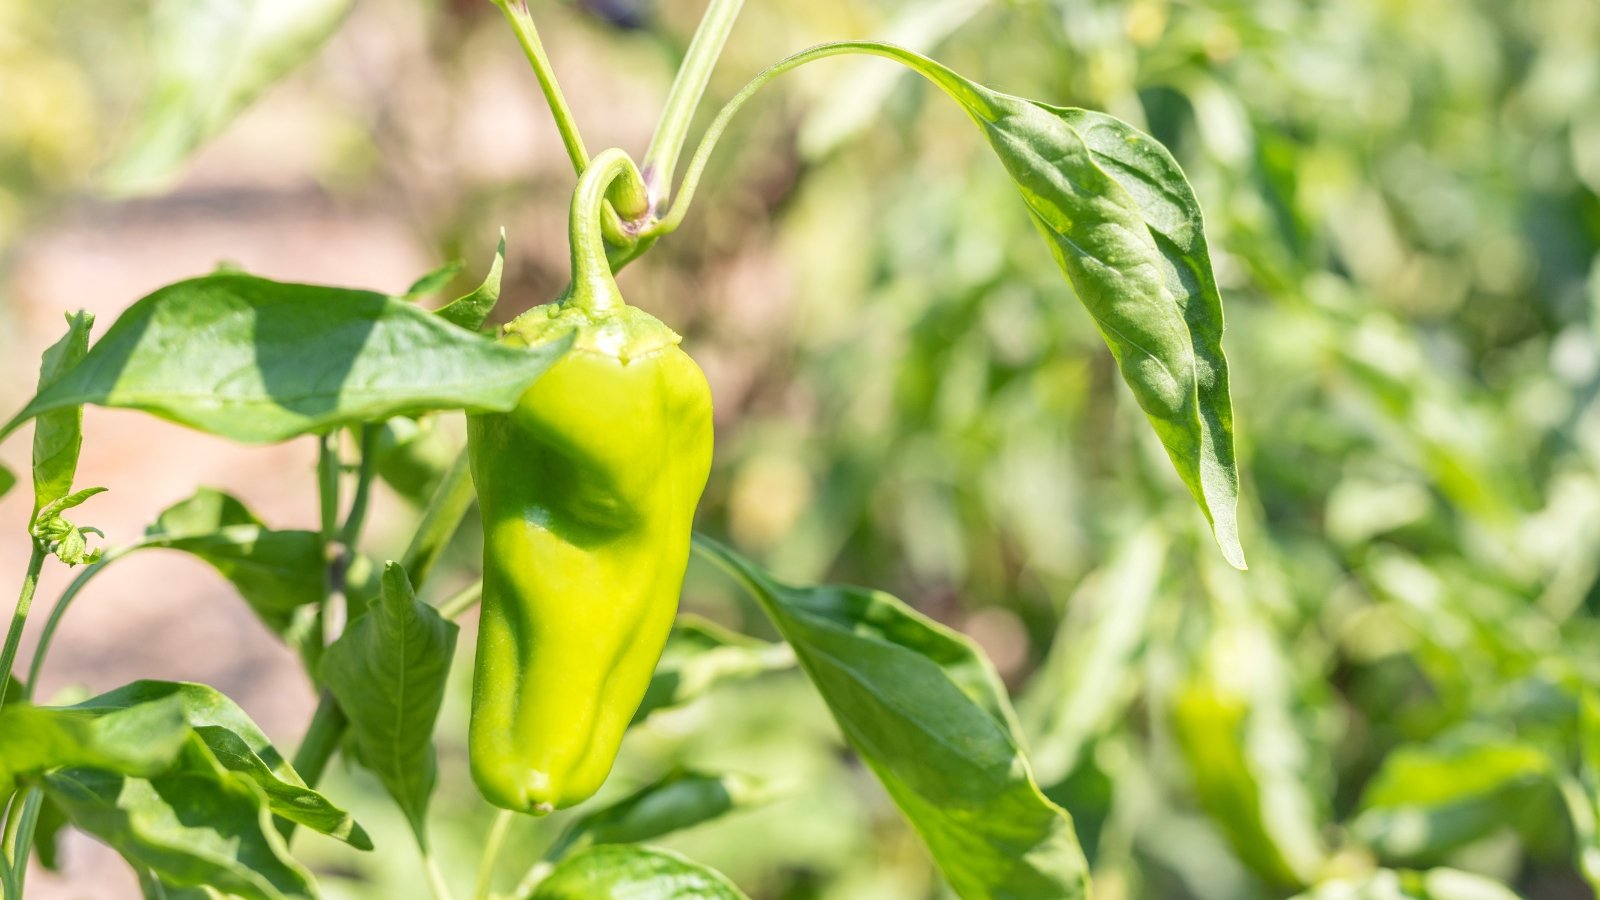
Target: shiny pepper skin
(588,490)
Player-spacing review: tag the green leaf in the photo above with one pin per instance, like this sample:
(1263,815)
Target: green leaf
(472,310)
(678,801)
(1123,225)
(259,361)
(1389,884)
(1428,799)
(926,711)
(276,572)
(141,739)
(699,655)
(8,480)
(212,59)
(58,436)
(388,673)
(435,281)
(411,455)
(195,824)
(616,872)
(239,745)
(47,834)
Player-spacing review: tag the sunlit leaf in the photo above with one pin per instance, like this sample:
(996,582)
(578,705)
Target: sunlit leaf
(618,872)
(58,436)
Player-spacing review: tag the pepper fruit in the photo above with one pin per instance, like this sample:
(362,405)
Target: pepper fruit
(587,490)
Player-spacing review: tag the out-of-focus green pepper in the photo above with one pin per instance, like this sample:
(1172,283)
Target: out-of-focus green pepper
(588,490)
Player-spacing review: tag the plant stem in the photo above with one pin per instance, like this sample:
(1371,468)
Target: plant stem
(436,882)
(594,289)
(322,739)
(516,13)
(30,583)
(446,508)
(332,578)
(59,611)
(461,601)
(661,159)
(350,535)
(539,872)
(940,75)
(491,852)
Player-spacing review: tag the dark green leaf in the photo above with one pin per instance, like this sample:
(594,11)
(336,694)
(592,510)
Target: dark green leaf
(140,739)
(239,745)
(411,455)
(194,824)
(260,361)
(680,800)
(8,480)
(615,872)
(47,834)
(1429,799)
(472,310)
(212,59)
(700,654)
(58,436)
(388,673)
(927,712)
(276,572)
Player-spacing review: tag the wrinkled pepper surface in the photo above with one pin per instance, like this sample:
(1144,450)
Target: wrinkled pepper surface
(587,490)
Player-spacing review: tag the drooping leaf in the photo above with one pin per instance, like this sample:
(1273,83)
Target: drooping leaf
(678,801)
(276,572)
(699,655)
(195,824)
(472,310)
(388,673)
(259,361)
(58,436)
(627,872)
(212,59)
(239,745)
(926,711)
(140,739)
(1428,799)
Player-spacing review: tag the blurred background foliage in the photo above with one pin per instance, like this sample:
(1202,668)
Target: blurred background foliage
(1403,199)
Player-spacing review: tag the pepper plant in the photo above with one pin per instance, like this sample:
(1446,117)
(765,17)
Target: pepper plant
(589,443)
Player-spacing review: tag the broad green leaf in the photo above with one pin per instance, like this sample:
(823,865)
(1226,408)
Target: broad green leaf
(58,436)
(239,745)
(1125,228)
(195,824)
(617,872)
(926,711)
(678,801)
(699,655)
(261,361)
(1084,681)
(8,480)
(435,281)
(276,572)
(1244,757)
(1428,799)
(472,310)
(1433,884)
(212,59)
(388,673)
(141,739)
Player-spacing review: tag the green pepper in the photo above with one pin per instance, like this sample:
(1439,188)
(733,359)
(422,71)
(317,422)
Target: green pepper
(587,490)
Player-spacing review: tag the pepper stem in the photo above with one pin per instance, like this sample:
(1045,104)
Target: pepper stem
(594,288)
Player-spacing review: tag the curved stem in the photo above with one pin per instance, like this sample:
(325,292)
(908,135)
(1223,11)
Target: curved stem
(436,882)
(59,611)
(30,583)
(594,289)
(491,852)
(456,604)
(933,71)
(350,535)
(661,159)
(516,13)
